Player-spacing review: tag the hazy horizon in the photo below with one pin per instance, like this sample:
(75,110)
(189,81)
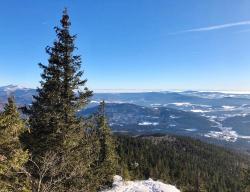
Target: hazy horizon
(121,90)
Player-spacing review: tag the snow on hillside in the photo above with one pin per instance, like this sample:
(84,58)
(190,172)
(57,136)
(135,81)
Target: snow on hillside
(12,88)
(140,186)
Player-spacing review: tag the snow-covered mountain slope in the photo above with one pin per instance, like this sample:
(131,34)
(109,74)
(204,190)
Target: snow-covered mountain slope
(140,186)
(12,88)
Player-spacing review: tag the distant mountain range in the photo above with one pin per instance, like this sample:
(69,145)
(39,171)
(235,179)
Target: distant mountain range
(137,119)
(212,116)
(22,95)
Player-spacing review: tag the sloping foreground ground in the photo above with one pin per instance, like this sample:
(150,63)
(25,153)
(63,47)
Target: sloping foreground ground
(140,186)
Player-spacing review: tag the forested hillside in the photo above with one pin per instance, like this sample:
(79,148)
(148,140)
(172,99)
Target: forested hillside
(187,163)
(56,149)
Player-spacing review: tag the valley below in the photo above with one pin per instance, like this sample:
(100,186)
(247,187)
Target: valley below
(214,117)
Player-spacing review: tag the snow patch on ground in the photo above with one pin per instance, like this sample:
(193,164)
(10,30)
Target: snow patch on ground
(173,117)
(172,125)
(191,130)
(182,104)
(199,111)
(228,108)
(226,134)
(93,101)
(148,123)
(140,186)
(155,105)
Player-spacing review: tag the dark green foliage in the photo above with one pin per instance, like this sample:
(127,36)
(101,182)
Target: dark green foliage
(106,163)
(13,176)
(246,181)
(189,164)
(52,114)
(68,153)
(62,150)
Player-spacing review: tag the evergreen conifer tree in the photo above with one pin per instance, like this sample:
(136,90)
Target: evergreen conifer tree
(246,181)
(13,176)
(107,161)
(62,150)
(53,112)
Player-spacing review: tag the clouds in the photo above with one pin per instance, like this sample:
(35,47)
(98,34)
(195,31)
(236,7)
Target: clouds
(216,27)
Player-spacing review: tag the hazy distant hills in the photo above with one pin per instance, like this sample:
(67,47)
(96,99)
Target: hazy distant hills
(22,95)
(164,98)
(137,119)
(214,116)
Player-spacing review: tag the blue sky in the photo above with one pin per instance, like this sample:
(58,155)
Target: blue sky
(133,44)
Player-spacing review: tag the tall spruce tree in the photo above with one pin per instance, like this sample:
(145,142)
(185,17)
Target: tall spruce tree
(62,150)
(13,176)
(53,112)
(107,161)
